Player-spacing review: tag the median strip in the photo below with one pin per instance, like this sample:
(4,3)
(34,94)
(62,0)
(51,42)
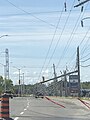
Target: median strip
(55,102)
(85,103)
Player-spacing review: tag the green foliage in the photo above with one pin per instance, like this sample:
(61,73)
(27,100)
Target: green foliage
(9,85)
(85,85)
(1,84)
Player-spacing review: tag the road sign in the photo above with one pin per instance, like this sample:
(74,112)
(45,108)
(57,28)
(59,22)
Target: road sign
(73,84)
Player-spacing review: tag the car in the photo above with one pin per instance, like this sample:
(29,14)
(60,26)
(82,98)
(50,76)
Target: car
(39,95)
(9,93)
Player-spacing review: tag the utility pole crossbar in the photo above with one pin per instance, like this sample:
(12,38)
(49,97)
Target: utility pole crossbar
(81,3)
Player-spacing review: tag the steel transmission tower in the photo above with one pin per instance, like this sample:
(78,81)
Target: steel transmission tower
(7,64)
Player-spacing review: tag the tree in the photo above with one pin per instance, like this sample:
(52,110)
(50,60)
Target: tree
(1,84)
(9,85)
(85,85)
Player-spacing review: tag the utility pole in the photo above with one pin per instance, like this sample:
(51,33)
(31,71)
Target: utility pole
(55,80)
(23,85)
(65,81)
(19,89)
(61,87)
(78,65)
(55,75)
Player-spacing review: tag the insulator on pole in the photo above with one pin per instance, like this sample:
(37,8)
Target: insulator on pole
(82,9)
(82,23)
(65,5)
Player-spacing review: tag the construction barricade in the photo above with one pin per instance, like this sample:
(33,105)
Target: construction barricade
(4,110)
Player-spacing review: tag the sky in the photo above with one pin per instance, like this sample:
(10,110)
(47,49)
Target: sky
(41,33)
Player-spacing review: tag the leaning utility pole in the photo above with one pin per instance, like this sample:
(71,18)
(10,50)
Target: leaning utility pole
(78,66)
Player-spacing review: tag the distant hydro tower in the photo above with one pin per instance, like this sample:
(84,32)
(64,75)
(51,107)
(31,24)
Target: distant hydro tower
(7,64)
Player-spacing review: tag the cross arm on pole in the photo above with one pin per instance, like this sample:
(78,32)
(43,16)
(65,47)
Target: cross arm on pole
(81,3)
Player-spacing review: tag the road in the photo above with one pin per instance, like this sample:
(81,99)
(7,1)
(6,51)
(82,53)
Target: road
(30,108)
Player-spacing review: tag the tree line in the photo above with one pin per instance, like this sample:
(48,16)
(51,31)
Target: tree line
(52,88)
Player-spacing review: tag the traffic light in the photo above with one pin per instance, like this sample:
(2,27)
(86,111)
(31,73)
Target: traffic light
(19,82)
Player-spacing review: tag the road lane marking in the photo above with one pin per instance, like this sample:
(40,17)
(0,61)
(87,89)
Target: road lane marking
(21,113)
(24,110)
(16,118)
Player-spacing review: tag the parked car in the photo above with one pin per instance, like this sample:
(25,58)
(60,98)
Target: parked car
(9,93)
(39,95)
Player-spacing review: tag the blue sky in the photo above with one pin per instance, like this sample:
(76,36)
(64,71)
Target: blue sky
(41,33)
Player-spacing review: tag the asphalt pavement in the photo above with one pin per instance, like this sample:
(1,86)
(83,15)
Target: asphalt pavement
(30,108)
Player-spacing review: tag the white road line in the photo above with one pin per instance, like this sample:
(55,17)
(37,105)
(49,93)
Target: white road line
(16,118)
(24,110)
(21,113)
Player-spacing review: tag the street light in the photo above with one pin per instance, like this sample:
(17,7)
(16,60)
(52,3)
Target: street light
(22,85)
(19,73)
(5,87)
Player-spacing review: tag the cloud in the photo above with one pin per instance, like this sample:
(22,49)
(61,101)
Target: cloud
(16,73)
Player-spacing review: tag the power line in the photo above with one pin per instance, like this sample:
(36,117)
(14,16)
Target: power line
(29,13)
(85,66)
(83,38)
(85,56)
(51,42)
(60,36)
(86,60)
(73,32)
(69,40)
(62,33)
(45,12)
(85,47)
